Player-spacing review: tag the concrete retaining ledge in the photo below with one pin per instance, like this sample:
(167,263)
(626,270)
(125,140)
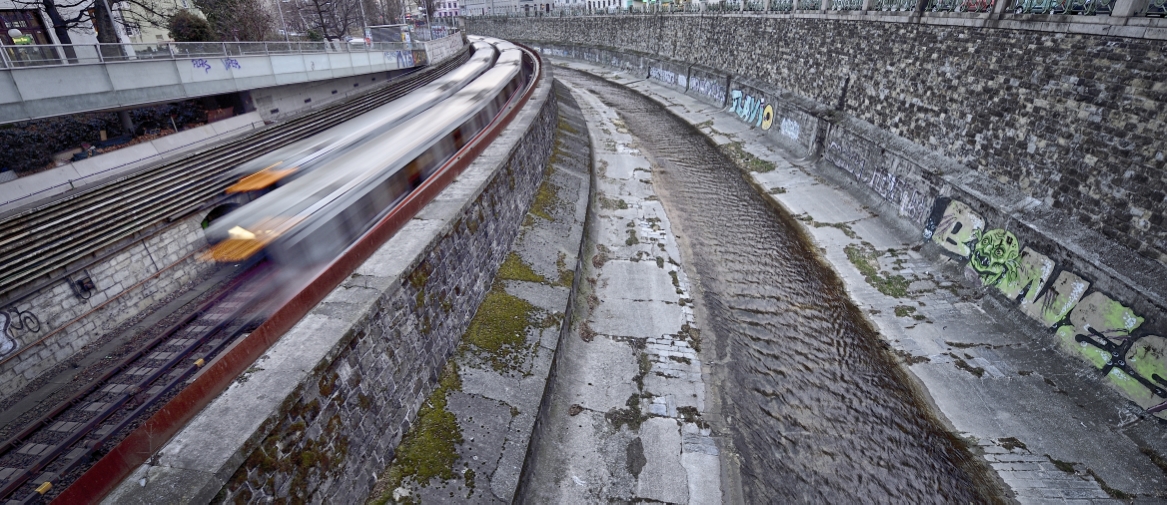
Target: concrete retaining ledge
(319,414)
(26,192)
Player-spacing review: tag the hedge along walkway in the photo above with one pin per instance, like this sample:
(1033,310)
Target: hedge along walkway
(623,422)
(470,438)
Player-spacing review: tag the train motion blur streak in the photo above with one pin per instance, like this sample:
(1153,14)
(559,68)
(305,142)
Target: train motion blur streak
(309,221)
(286,163)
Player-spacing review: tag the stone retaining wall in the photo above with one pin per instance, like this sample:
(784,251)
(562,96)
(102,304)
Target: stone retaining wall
(341,425)
(1074,121)
(125,283)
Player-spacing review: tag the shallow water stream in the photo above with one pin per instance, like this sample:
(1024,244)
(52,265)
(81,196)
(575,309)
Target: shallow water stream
(818,410)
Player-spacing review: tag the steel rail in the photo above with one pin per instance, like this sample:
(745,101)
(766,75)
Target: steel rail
(34,234)
(199,327)
(152,434)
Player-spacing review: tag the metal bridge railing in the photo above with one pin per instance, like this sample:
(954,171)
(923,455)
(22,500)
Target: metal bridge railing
(87,54)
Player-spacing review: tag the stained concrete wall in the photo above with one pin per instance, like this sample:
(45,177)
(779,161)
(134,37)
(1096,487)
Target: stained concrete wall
(1071,120)
(128,281)
(39,92)
(322,411)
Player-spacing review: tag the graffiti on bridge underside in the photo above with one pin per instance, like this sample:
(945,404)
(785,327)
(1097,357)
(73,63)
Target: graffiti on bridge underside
(201,63)
(230,63)
(1103,331)
(912,202)
(667,76)
(711,88)
(13,323)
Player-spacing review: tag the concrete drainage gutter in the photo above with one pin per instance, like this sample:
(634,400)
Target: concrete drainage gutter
(318,416)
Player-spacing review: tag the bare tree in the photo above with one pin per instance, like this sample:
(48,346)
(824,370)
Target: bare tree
(67,15)
(390,11)
(237,19)
(332,19)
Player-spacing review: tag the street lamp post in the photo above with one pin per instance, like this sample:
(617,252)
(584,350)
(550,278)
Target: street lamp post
(283,24)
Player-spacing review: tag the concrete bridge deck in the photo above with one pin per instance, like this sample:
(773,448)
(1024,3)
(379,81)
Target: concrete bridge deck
(53,80)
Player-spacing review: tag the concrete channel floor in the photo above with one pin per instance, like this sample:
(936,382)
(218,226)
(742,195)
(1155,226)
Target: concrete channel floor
(1044,421)
(624,419)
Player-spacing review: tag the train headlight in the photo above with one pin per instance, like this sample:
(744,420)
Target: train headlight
(242,243)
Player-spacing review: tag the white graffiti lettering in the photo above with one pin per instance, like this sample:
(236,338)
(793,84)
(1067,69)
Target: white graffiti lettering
(662,75)
(708,87)
(790,128)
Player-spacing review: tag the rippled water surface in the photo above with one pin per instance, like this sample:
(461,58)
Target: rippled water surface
(820,412)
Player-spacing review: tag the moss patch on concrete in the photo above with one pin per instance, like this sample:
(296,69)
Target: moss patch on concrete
(546,198)
(566,275)
(612,203)
(429,450)
(515,269)
(499,329)
(866,259)
(843,227)
(744,159)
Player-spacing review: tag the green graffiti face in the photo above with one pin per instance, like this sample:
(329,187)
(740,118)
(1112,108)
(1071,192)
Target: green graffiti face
(995,257)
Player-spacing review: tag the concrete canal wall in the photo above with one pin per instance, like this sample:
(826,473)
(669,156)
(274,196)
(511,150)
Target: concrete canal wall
(985,156)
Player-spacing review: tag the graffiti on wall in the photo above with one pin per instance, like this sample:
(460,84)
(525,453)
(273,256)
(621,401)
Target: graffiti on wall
(1101,330)
(230,63)
(403,58)
(790,128)
(14,323)
(752,109)
(712,88)
(912,202)
(555,51)
(667,76)
(201,63)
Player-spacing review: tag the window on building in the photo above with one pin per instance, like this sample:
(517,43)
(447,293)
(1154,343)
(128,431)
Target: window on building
(27,21)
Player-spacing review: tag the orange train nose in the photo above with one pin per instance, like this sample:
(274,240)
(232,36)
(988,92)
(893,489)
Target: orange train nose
(259,180)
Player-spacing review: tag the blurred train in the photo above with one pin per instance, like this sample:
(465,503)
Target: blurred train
(286,163)
(312,218)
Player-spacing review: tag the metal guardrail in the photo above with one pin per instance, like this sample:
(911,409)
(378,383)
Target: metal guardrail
(90,54)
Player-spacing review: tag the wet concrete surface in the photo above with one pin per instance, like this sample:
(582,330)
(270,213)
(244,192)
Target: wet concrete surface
(624,418)
(809,393)
(1046,423)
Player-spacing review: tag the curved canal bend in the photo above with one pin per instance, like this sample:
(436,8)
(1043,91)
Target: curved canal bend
(819,411)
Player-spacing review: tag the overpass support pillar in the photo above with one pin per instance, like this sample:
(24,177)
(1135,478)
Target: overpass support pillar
(127,121)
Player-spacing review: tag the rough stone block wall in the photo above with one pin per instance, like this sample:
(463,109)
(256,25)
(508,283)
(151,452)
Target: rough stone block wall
(341,425)
(125,284)
(1074,121)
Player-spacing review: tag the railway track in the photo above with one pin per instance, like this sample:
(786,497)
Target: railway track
(47,454)
(53,450)
(65,235)
(66,444)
